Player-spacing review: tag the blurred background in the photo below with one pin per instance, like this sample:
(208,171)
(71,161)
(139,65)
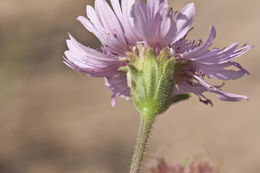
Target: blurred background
(54,120)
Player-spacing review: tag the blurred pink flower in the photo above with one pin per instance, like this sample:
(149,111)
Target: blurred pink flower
(155,25)
(196,166)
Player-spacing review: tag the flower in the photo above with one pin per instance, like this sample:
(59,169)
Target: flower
(196,166)
(123,28)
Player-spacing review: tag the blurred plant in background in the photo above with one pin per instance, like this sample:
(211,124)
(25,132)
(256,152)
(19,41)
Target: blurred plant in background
(197,165)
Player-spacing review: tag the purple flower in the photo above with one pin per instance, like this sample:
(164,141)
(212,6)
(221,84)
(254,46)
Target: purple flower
(122,28)
(197,165)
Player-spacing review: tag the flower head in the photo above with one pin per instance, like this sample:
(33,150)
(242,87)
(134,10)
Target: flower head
(196,166)
(133,27)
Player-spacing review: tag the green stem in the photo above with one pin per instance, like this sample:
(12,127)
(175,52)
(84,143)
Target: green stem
(145,128)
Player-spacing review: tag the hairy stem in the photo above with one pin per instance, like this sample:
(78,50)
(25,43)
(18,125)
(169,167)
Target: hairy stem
(145,128)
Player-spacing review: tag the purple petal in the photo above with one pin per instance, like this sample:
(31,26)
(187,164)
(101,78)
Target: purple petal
(89,26)
(231,97)
(118,11)
(152,6)
(202,55)
(218,56)
(141,22)
(184,20)
(127,6)
(219,71)
(168,27)
(221,94)
(199,51)
(184,86)
(108,30)
(119,87)
(126,21)
(84,59)
(152,23)
(109,20)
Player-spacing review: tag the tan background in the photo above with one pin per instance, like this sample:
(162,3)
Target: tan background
(54,120)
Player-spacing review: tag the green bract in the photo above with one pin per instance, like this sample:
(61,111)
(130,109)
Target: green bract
(152,82)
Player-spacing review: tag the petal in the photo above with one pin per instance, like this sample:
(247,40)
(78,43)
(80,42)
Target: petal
(128,22)
(198,51)
(79,48)
(184,20)
(84,59)
(153,24)
(119,87)
(186,16)
(222,56)
(166,26)
(96,28)
(109,20)
(221,94)
(89,26)
(219,71)
(127,5)
(117,9)
(231,97)
(141,22)
(152,6)
(184,86)
(202,55)
(111,37)
(75,63)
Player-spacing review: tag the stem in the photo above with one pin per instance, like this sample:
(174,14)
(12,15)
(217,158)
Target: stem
(145,128)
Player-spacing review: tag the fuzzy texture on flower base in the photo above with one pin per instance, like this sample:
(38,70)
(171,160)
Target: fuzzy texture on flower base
(124,26)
